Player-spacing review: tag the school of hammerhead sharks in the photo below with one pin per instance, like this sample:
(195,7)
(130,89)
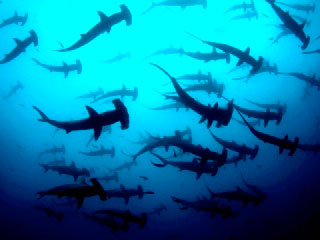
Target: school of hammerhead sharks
(205,161)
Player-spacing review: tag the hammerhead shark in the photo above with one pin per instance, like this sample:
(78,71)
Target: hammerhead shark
(158,210)
(95,121)
(14,90)
(71,170)
(49,212)
(177,3)
(199,77)
(103,26)
(126,194)
(57,162)
(300,7)
(312,52)
(207,57)
(122,93)
(65,68)
(119,57)
(193,166)
(21,47)
(101,152)
(78,191)
(54,150)
(211,86)
(92,95)
(126,165)
(242,6)
(244,56)
(291,24)
(311,80)
(243,150)
(166,51)
(284,143)
(247,15)
(277,107)
(266,68)
(107,221)
(107,178)
(125,215)
(176,105)
(15,20)
(222,116)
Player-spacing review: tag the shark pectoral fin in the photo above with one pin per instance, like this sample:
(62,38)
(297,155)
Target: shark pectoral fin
(97,132)
(80,202)
(66,73)
(17,41)
(209,124)
(266,122)
(240,62)
(198,175)
(202,119)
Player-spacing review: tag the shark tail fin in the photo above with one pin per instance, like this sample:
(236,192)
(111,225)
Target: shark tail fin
(135,94)
(97,185)
(44,117)
(127,14)
(34,38)
(254,152)
(305,43)
(123,113)
(79,66)
(112,152)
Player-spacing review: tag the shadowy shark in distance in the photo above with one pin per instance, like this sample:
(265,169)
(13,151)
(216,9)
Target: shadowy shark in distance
(95,121)
(107,221)
(21,47)
(299,7)
(284,143)
(78,191)
(222,116)
(126,194)
(199,77)
(124,92)
(71,170)
(65,68)
(166,51)
(126,165)
(243,150)
(247,15)
(207,57)
(57,162)
(277,107)
(312,81)
(15,20)
(119,57)
(244,56)
(177,106)
(177,3)
(242,6)
(158,210)
(93,94)
(14,90)
(54,150)
(107,178)
(312,52)
(103,26)
(49,212)
(265,68)
(101,152)
(291,24)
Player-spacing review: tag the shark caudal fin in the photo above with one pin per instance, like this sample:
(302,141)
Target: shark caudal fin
(305,43)
(44,117)
(100,191)
(294,146)
(112,152)
(135,94)
(254,152)
(79,66)
(34,38)
(24,20)
(126,14)
(123,113)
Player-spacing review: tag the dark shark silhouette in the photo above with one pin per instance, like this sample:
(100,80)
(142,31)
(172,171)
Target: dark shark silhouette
(158,210)
(207,57)
(49,212)
(21,47)
(222,116)
(119,57)
(92,95)
(199,77)
(107,221)
(243,150)
(126,194)
(242,6)
(166,51)
(284,143)
(14,90)
(101,152)
(126,165)
(54,150)
(78,191)
(300,7)
(312,52)
(16,19)
(65,68)
(71,170)
(107,178)
(311,80)
(315,148)
(277,107)
(124,92)
(57,162)
(247,15)
(103,26)
(95,121)
(177,3)
(212,86)
(177,106)
(291,24)
(244,57)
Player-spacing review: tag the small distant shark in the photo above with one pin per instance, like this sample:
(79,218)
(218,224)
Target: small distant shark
(277,107)
(177,106)
(103,26)
(199,77)
(244,57)
(158,210)
(243,150)
(222,116)
(315,148)
(124,92)
(126,194)
(104,129)
(207,57)
(54,150)
(14,90)
(126,165)
(49,212)
(125,215)
(242,6)
(95,121)
(57,162)
(284,143)
(211,86)
(166,51)
(255,123)
(266,68)
(248,15)
(119,57)
(71,170)
(101,152)
(311,80)
(312,52)
(291,24)
(107,221)
(107,178)
(92,95)
(15,20)
(78,191)
(21,47)
(65,68)
(177,3)
(300,7)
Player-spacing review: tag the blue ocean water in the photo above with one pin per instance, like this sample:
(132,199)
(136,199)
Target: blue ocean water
(290,209)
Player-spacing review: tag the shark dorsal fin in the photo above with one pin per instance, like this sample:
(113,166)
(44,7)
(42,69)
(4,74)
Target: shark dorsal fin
(247,51)
(216,105)
(102,16)
(92,112)
(102,147)
(64,64)
(15,13)
(239,189)
(122,187)
(17,41)
(286,137)
(123,87)
(73,164)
